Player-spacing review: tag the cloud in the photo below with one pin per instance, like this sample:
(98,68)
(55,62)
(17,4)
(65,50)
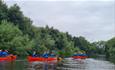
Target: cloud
(91,19)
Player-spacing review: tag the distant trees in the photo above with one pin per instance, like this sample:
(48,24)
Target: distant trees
(110,49)
(100,47)
(84,45)
(107,48)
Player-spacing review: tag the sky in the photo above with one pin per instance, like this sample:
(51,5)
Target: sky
(92,19)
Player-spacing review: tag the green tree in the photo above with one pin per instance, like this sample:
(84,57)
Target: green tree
(12,39)
(3,11)
(110,49)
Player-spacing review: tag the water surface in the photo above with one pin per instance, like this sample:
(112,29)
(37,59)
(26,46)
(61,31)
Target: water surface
(67,64)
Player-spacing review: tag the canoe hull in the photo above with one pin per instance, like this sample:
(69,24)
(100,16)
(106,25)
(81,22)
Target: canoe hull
(42,59)
(79,57)
(8,58)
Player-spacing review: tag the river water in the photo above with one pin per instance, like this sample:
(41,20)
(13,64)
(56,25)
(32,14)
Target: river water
(67,64)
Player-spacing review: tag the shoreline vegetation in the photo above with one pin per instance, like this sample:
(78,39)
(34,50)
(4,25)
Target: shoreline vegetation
(20,37)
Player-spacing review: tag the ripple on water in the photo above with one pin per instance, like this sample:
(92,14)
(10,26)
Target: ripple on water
(67,64)
(87,64)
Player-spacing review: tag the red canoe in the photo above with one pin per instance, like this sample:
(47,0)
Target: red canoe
(8,58)
(79,57)
(42,59)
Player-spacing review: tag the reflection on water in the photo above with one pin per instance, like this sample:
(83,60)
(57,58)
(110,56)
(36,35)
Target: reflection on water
(68,64)
(24,65)
(41,66)
(16,65)
(88,64)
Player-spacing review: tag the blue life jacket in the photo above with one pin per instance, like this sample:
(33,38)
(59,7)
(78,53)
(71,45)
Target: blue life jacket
(3,53)
(52,55)
(79,55)
(0,53)
(45,55)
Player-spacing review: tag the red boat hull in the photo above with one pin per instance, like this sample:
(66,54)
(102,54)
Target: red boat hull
(79,57)
(42,59)
(8,58)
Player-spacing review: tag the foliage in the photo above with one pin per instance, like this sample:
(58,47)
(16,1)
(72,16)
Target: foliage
(3,11)
(100,47)
(110,49)
(12,39)
(84,45)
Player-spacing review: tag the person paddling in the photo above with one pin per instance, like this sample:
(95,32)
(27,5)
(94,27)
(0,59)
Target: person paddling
(45,55)
(34,54)
(4,53)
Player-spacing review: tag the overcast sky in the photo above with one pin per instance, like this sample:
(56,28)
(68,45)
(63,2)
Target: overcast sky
(95,20)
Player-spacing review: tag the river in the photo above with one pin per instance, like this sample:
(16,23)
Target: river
(67,64)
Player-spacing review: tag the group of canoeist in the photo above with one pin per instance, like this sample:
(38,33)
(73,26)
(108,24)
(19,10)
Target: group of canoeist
(46,56)
(41,57)
(80,55)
